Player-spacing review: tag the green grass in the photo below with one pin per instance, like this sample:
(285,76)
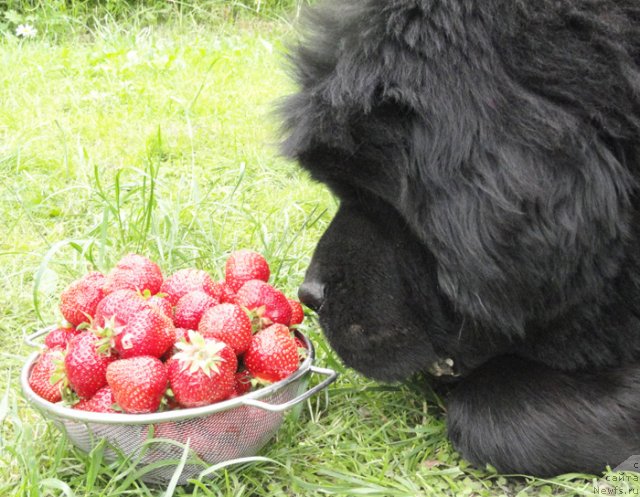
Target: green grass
(158,138)
(57,19)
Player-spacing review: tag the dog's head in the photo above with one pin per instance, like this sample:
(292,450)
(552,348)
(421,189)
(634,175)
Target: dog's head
(466,218)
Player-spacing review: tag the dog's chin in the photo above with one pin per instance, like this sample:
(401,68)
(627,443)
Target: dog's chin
(379,351)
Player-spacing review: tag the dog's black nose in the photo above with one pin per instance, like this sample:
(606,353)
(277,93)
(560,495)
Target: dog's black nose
(311,294)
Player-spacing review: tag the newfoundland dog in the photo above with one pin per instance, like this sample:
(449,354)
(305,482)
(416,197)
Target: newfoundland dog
(486,154)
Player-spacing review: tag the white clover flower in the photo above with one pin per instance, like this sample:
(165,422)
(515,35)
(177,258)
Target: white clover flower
(26,31)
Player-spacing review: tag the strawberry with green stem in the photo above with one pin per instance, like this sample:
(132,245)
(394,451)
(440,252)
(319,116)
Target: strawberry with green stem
(202,371)
(117,307)
(268,304)
(147,332)
(43,378)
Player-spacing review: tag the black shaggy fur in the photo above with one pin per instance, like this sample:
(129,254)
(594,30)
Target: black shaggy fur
(487,158)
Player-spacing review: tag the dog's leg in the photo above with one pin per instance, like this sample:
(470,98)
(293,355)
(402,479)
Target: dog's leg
(525,418)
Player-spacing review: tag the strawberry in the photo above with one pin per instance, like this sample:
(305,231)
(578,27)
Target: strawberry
(147,333)
(161,303)
(134,272)
(300,343)
(43,369)
(269,304)
(138,383)
(202,372)
(242,383)
(303,352)
(272,355)
(220,291)
(190,308)
(187,280)
(244,265)
(118,307)
(297,314)
(225,293)
(60,337)
(79,300)
(85,367)
(102,401)
(228,323)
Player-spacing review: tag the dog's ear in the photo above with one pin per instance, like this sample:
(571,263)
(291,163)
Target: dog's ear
(332,89)
(529,159)
(521,232)
(523,161)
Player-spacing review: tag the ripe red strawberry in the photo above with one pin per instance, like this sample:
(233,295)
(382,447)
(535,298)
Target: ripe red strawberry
(187,280)
(79,300)
(297,314)
(134,272)
(269,304)
(272,355)
(242,383)
(191,307)
(300,344)
(202,372)
(138,383)
(225,293)
(60,337)
(85,367)
(244,265)
(161,303)
(147,333)
(118,307)
(102,401)
(228,323)
(43,369)
(303,352)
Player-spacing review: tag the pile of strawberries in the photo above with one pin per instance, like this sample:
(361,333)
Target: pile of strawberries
(138,343)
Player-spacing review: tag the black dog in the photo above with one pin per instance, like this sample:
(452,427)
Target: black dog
(486,155)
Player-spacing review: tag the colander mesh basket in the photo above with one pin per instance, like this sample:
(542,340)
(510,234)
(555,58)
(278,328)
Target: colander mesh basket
(226,431)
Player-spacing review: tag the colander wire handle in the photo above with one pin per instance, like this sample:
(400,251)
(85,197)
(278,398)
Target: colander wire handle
(331,376)
(30,339)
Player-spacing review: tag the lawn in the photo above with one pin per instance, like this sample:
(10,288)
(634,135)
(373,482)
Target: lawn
(151,130)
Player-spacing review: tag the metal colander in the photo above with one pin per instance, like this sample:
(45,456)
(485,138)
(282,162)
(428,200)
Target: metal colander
(226,431)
